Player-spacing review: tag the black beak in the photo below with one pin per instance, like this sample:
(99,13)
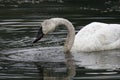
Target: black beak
(40,34)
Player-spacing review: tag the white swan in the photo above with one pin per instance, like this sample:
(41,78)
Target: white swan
(95,36)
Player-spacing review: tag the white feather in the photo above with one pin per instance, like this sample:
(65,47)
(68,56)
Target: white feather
(97,36)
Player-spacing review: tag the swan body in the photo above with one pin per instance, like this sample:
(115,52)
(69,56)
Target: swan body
(95,36)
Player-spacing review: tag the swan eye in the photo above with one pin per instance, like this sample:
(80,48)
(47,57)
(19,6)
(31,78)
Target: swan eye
(40,34)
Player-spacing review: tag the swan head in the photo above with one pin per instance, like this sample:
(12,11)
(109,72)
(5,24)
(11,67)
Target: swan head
(49,25)
(46,27)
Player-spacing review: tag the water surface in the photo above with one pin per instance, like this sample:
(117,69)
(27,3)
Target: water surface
(45,60)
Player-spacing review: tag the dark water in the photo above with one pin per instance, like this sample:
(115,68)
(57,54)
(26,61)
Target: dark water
(45,60)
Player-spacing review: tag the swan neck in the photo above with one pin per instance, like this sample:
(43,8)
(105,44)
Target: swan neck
(70,35)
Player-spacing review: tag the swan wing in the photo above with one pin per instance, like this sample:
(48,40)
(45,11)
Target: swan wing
(97,36)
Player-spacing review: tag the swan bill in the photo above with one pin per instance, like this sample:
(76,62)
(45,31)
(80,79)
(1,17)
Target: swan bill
(40,34)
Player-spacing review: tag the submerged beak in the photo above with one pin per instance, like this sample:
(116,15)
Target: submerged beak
(40,34)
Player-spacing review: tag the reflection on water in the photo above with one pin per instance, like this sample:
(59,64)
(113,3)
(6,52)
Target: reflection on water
(99,60)
(50,62)
(21,60)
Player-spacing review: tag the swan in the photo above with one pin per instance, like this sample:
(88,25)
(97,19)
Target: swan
(95,36)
